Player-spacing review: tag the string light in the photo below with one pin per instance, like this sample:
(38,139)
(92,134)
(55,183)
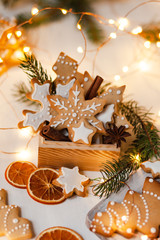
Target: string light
(64,11)
(122,23)
(9,35)
(18,33)
(80,49)
(1,60)
(125,69)
(34,11)
(26,132)
(158,44)
(23,155)
(144,237)
(117,77)
(79,26)
(18,54)
(26,49)
(159,113)
(113,35)
(144,66)
(137,30)
(111,21)
(147,44)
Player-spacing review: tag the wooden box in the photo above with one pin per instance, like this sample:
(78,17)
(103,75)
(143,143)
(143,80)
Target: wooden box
(69,154)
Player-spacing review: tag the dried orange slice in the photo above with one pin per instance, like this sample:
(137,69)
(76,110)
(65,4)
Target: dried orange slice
(59,233)
(41,188)
(17,173)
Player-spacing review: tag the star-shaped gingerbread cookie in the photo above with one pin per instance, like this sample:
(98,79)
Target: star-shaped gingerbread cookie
(39,94)
(72,181)
(11,224)
(152,167)
(75,109)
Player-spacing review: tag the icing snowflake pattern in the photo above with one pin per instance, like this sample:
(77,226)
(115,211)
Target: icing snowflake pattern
(39,94)
(11,225)
(136,212)
(72,110)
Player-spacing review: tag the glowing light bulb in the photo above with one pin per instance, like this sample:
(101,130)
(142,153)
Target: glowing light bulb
(1,60)
(102,180)
(158,44)
(137,157)
(79,26)
(26,132)
(147,44)
(144,237)
(117,77)
(124,218)
(18,33)
(9,35)
(113,35)
(111,21)
(144,66)
(122,23)
(159,113)
(23,155)
(26,49)
(18,54)
(137,30)
(34,11)
(125,69)
(80,49)
(64,11)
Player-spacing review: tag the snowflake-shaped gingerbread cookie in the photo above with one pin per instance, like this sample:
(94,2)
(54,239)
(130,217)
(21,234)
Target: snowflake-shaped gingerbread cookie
(76,109)
(72,181)
(11,224)
(39,94)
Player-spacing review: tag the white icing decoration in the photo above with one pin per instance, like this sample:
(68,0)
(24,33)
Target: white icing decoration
(91,108)
(72,179)
(94,124)
(150,180)
(155,166)
(63,90)
(55,68)
(76,94)
(129,230)
(118,92)
(110,90)
(86,79)
(58,103)
(81,133)
(35,119)
(57,123)
(106,115)
(153,230)
(15,220)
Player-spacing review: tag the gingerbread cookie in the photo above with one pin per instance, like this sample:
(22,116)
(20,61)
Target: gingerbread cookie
(76,109)
(11,224)
(39,94)
(137,212)
(72,181)
(152,167)
(66,69)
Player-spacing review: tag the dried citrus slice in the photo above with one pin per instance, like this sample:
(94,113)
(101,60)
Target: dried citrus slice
(41,188)
(59,233)
(17,173)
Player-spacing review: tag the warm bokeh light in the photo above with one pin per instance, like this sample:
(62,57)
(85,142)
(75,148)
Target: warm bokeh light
(18,33)
(159,113)
(34,11)
(80,49)
(113,35)
(26,49)
(111,21)
(144,66)
(64,11)
(137,30)
(18,54)
(158,44)
(122,23)
(117,77)
(125,69)
(23,155)
(144,237)
(1,60)
(147,44)
(26,132)
(9,35)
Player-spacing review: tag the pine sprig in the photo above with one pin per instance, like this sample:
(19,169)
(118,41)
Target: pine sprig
(114,175)
(147,138)
(33,69)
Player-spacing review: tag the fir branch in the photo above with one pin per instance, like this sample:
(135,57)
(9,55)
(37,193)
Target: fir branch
(114,175)
(144,129)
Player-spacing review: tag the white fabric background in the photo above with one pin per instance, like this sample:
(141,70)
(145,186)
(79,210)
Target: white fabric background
(48,41)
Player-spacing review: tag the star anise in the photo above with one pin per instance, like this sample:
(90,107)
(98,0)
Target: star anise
(115,134)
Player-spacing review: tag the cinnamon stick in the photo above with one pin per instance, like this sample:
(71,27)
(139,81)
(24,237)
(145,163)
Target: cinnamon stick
(50,133)
(92,91)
